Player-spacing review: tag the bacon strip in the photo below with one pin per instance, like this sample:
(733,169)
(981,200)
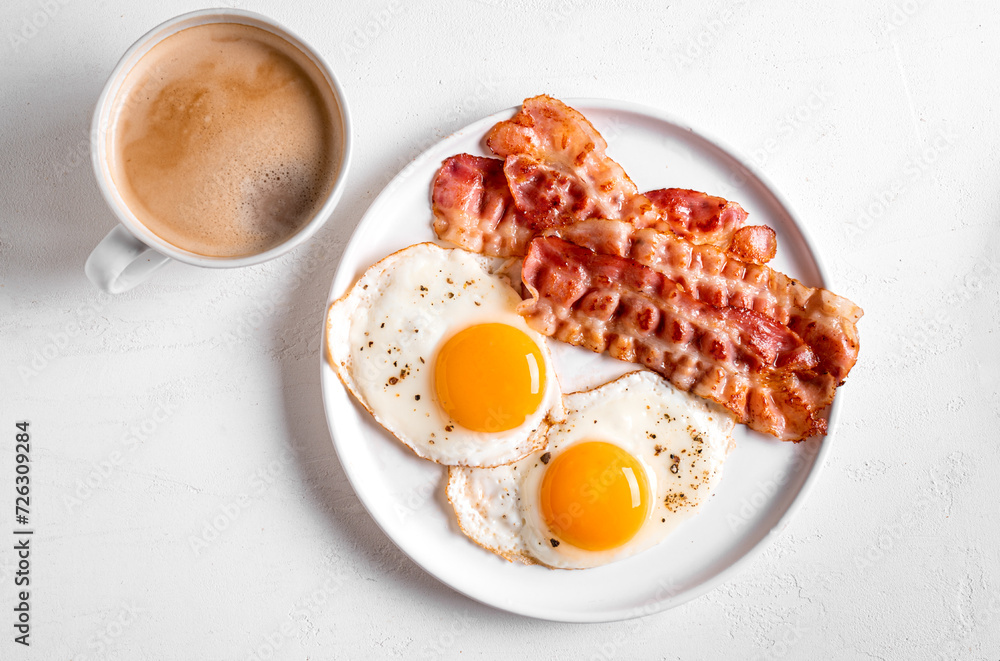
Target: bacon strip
(756,244)
(757,368)
(672,279)
(474,208)
(695,216)
(825,321)
(701,218)
(557,168)
(556,172)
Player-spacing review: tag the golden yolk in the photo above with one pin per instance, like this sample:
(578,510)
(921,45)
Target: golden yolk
(595,496)
(490,377)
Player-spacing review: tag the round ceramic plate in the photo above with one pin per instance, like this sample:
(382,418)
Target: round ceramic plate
(763,479)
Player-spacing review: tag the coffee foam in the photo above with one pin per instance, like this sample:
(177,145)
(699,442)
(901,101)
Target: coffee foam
(223,141)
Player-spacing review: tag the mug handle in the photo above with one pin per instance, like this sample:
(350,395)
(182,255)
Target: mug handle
(121,261)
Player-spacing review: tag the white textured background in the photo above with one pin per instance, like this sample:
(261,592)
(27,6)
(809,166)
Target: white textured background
(197,395)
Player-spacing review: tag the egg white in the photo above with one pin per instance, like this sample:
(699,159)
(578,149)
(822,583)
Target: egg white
(681,442)
(382,339)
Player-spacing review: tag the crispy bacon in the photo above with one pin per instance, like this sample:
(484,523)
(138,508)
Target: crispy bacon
(473,208)
(756,244)
(701,218)
(696,216)
(555,172)
(825,321)
(672,279)
(557,168)
(744,360)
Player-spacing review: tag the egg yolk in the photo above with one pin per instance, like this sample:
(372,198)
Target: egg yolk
(490,377)
(595,496)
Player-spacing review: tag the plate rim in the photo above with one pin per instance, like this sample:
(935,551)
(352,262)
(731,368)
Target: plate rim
(329,377)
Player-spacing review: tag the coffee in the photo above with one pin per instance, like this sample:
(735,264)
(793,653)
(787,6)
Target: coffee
(223,140)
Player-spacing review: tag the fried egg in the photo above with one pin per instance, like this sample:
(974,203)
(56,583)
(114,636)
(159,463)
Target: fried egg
(632,459)
(429,342)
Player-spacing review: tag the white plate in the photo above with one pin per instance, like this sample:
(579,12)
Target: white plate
(763,480)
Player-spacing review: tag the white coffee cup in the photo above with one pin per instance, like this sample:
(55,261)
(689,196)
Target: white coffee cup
(131,251)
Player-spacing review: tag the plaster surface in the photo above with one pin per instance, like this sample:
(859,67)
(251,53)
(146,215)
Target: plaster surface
(194,398)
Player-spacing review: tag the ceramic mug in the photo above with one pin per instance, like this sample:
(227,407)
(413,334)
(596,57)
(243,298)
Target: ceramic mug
(131,251)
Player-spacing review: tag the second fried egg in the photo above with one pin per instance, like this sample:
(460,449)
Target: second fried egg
(632,460)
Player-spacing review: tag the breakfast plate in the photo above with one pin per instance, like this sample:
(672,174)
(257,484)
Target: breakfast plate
(763,480)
